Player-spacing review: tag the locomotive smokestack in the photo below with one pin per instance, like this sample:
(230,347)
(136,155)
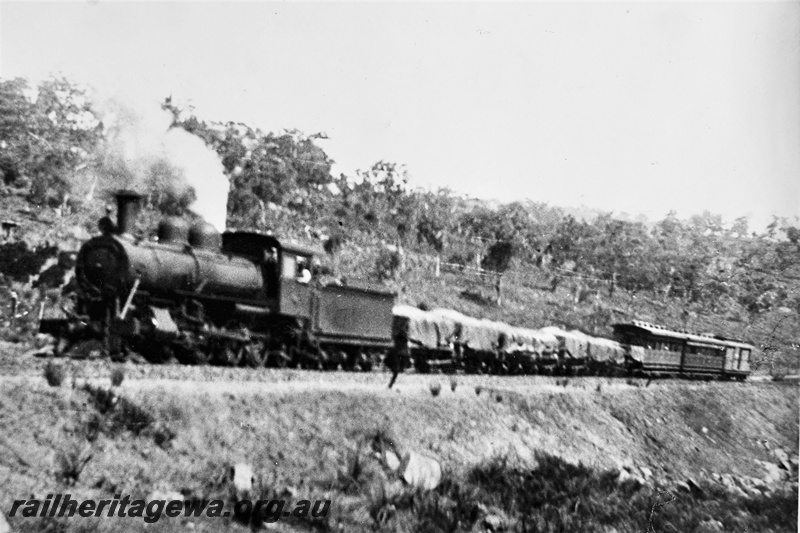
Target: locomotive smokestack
(127,209)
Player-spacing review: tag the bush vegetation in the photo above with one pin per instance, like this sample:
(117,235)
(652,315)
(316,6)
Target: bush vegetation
(559,496)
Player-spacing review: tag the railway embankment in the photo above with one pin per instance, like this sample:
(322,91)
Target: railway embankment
(590,454)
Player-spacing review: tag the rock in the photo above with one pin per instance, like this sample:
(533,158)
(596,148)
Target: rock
(420,471)
(786,465)
(780,454)
(494,523)
(696,489)
(391,460)
(736,491)
(709,526)
(682,485)
(625,476)
(241,481)
(772,473)
(753,492)
(704,430)
(646,472)
(489,519)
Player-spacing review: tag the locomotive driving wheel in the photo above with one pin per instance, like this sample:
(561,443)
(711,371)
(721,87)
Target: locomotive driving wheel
(231,353)
(255,354)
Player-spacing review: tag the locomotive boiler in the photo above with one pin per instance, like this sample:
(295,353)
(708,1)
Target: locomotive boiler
(236,297)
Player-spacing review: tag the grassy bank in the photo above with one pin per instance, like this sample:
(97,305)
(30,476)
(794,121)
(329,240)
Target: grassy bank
(524,453)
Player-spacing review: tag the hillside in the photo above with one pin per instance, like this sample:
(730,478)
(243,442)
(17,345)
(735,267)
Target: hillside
(65,150)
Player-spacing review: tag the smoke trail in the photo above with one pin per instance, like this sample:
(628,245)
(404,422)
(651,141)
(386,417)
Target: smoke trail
(168,165)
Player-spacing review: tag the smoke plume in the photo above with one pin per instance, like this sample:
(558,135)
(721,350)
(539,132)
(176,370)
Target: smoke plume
(168,165)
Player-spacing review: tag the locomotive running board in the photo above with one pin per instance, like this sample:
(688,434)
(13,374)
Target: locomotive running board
(371,343)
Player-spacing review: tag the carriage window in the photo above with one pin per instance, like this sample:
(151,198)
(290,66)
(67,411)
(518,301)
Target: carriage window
(745,356)
(730,354)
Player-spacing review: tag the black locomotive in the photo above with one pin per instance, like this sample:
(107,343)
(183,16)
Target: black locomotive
(201,296)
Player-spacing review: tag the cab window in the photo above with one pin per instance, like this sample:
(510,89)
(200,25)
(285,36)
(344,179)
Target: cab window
(288,266)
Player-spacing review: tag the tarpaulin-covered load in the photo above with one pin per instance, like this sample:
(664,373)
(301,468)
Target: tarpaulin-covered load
(574,343)
(480,335)
(475,334)
(606,351)
(547,342)
(519,340)
(450,324)
(416,326)
(528,341)
(637,353)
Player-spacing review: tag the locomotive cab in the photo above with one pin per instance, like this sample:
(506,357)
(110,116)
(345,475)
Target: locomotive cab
(286,268)
(295,292)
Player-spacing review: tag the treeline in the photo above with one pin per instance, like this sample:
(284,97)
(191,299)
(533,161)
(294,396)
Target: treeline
(283,182)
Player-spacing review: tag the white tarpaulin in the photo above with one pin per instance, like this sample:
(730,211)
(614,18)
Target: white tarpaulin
(606,351)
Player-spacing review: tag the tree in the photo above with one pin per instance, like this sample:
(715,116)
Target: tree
(49,133)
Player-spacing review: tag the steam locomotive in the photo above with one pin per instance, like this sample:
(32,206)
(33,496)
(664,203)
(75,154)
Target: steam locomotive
(244,298)
(205,297)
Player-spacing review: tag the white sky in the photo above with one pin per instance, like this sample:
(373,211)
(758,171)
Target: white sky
(636,107)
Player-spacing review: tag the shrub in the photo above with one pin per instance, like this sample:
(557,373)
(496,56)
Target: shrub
(117,376)
(104,400)
(132,417)
(436,388)
(498,257)
(478,390)
(122,414)
(163,435)
(453,384)
(334,243)
(54,374)
(388,264)
(93,427)
(72,462)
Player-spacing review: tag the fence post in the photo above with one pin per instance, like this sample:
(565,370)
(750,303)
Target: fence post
(14,303)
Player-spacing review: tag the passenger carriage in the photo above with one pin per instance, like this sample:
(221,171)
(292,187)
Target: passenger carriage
(658,350)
